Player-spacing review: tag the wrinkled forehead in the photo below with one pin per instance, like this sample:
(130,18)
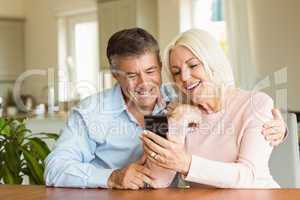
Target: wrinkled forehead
(136,62)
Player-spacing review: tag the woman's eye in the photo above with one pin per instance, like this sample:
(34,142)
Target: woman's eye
(176,73)
(193,66)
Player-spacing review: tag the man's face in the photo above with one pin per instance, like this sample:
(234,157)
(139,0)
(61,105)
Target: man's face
(139,78)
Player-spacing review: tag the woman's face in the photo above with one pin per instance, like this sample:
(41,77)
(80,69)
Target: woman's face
(189,75)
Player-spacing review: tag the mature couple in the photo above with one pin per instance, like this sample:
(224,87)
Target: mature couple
(223,136)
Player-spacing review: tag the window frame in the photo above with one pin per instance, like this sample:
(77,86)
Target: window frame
(67,52)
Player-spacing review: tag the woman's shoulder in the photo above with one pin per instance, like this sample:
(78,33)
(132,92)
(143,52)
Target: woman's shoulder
(255,103)
(257,98)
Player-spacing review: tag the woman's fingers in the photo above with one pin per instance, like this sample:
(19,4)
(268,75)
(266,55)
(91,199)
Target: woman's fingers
(171,107)
(279,134)
(156,162)
(150,147)
(271,131)
(273,137)
(275,143)
(275,126)
(274,123)
(157,139)
(157,157)
(277,114)
(147,150)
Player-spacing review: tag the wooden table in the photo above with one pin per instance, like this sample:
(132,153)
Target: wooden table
(40,192)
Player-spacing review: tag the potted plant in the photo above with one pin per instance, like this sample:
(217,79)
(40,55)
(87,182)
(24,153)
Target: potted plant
(21,152)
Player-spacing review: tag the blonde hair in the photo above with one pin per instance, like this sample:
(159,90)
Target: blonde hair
(206,49)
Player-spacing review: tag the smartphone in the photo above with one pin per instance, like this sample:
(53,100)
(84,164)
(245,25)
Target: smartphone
(157,124)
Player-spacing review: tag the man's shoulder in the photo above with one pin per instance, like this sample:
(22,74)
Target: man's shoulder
(106,102)
(98,113)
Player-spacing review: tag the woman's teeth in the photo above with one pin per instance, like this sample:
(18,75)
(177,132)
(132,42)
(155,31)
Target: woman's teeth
(193,85)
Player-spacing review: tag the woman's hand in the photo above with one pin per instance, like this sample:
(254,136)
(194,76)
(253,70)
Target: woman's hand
(165,153)
(275,130)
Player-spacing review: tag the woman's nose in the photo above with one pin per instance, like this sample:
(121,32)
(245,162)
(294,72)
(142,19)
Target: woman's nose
(185,75)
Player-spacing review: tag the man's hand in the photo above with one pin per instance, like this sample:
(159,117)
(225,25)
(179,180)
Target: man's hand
(134,176)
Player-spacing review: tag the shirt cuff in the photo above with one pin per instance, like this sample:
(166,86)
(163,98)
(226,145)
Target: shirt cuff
(193,174)
(99,177)
(190,172)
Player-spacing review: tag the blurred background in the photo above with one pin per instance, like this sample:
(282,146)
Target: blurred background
(53,52)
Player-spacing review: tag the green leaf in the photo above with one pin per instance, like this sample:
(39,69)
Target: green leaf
(5,129)
(32,180)
(2,122)
(40,147)
(49,135)
(2,143)
(36,169)
(10,178)
(21,153)
(12,158)
(1,169)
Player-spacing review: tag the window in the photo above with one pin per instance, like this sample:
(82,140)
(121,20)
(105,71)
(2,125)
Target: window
(78,56)
(209,15)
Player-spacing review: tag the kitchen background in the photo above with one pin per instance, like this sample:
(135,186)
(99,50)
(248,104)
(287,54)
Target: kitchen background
(52,52)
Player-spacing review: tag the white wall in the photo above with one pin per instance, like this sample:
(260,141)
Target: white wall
(41,33)
(168,21)
(71,6)
(12,8)
(174,17)
(40,44)
(41,49)
(147,16)
(276,42)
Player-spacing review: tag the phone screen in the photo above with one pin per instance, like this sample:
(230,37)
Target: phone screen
(157,124)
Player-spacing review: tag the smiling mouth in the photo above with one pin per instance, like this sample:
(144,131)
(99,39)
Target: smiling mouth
(144,92)
(193,86)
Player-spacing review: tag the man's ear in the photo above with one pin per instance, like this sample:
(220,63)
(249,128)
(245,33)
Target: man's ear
(114,75)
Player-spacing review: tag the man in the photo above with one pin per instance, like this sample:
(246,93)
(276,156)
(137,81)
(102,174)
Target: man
(100,145)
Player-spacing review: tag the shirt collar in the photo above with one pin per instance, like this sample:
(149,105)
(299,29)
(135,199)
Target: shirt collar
(118,99)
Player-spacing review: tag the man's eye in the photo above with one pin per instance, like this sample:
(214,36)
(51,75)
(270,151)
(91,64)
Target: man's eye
(151,71)
(131,76)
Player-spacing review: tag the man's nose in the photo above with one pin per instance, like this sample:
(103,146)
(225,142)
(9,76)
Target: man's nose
(142,79)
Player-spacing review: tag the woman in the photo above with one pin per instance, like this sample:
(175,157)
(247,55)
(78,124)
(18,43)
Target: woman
(223,146)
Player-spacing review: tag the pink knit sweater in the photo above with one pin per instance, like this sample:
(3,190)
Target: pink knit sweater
(228,149)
